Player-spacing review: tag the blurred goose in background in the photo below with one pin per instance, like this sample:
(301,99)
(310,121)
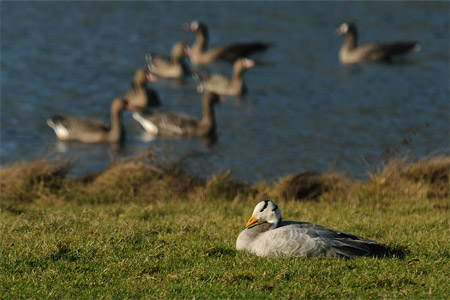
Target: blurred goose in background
(350,53)
(163,123)
(222,85)
(168,67)
(71,128)
(139,95)
(267,235)
(200,55)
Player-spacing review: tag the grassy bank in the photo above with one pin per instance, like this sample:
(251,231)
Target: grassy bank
(147,229)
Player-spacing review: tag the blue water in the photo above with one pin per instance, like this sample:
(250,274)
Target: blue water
(303,111)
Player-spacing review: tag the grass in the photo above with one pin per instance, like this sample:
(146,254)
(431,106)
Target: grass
(144,229)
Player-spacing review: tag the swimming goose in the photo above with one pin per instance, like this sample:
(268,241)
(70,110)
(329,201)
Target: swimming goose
(168,67)
(71,128)
(267,235)
(139,95)
(175,124)
(200,55)
(222,85)
(350,53)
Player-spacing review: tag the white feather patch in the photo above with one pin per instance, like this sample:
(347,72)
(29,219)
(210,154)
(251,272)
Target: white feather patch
(61,132)
(148,126)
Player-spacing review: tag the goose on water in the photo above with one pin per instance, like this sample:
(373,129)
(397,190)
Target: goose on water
(164,123)
(168,67)
(350,53)
(267,235)
(200,55)
(139,95)
(71,128)
(222,85)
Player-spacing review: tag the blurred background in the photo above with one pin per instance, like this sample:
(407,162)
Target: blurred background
(303,111)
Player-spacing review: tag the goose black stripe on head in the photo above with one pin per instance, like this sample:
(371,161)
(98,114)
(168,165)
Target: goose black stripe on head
(265,205)
(275,207)
(265,211)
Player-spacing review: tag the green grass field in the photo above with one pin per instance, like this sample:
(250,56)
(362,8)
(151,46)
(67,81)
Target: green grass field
(147,230)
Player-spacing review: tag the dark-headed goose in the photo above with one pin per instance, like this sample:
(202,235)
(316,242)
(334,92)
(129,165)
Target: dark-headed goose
(90,131)
(139,95)
(169,67)
(163,123)
(350,53)
(222,85)
(200,55)
(267,235)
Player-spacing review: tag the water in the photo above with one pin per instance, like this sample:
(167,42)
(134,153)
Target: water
(304,110)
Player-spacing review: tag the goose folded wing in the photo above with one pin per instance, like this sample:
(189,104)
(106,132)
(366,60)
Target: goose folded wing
(234,51)
(157,61)
(75,124)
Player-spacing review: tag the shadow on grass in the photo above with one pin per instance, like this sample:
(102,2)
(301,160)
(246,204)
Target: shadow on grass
(399,252)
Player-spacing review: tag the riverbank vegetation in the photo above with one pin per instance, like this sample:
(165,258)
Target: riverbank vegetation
(146,228)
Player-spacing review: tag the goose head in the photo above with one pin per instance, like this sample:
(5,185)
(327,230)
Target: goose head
(211,98)
(119,105)
(265,211)
(141,77)
(346,28)
(242,63)
(195,26)
(179,50)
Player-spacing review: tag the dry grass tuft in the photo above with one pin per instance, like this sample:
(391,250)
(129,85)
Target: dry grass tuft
(142,179)
(309,185)
(147,179)
(223,187)
(429,177)
(26,181)
(434,172)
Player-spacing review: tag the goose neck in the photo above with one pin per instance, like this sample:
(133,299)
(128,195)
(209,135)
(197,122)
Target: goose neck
(116,129)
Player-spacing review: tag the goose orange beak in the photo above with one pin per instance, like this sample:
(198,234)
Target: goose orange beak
(251,221)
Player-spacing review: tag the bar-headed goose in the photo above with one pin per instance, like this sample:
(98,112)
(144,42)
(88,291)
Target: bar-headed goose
(139,95)
(200,55)
(163,123)
(169,67)
(267,235)
(71,128)
(350,53)
(222,85)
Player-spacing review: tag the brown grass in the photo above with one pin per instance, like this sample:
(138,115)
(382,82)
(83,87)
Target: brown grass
(310,185)
(142,179)
(433,172)
(25,181)
(146,179)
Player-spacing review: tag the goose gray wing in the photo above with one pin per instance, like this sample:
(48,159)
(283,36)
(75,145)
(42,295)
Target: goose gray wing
(68,127)
(165,66)
(235,51)
(212,82)
(384,51)
(166,123)
(157,61)
(307,239)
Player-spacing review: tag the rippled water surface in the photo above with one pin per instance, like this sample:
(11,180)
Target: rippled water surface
(303,110)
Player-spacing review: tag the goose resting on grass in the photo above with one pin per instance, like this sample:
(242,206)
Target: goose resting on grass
(266,235)
(71,128)
(350,53)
